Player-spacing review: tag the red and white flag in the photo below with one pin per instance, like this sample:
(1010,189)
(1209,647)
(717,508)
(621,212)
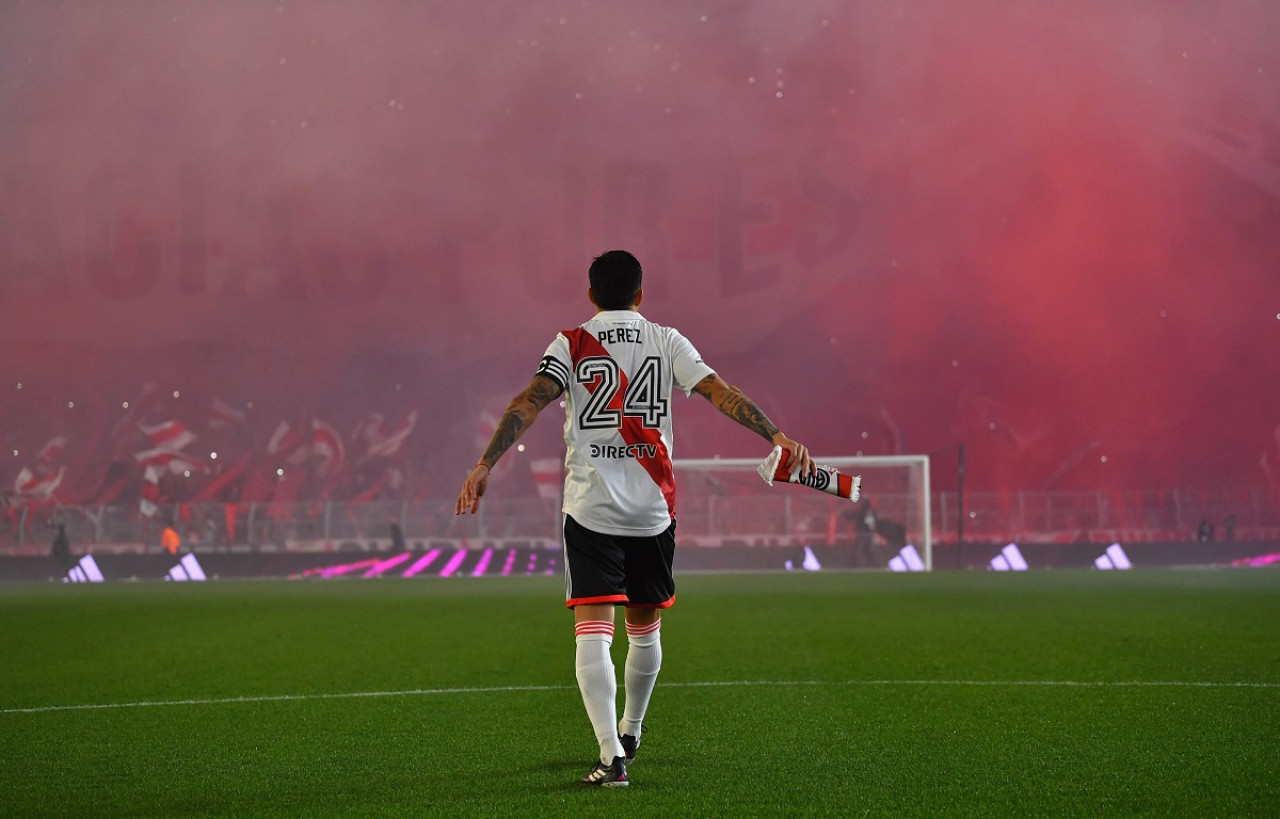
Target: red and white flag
(38,488)
(149,505)
(52,451)
(224,416)
(175,462)
(327,452)
(390,444)
(368,430)
(137,408)
(284,441)
(547,477)
(171,435)
(165,456)
(155,468)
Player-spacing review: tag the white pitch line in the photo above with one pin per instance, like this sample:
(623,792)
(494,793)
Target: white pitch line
(498,689)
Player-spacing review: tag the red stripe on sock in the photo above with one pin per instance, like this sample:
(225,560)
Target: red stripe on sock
(639,631)
(593,627)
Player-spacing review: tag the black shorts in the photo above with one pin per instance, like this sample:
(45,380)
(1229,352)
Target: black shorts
(631,571)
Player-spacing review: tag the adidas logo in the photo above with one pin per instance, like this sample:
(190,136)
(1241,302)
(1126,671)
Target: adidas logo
(809,564)
(86,571)
(1009,560)
(187,569)
(907,560)
(1113,558)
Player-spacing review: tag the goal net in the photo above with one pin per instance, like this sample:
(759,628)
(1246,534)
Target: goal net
(731,520)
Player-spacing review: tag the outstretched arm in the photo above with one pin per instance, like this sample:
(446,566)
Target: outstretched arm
(518,417)
(733,403)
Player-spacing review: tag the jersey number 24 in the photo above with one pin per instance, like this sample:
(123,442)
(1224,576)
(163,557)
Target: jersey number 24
(643,398)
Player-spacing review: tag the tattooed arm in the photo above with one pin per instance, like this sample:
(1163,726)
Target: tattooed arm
(733,403)
(518,417)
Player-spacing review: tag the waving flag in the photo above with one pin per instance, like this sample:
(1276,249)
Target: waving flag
(165,456)
(224,416)
(170,436)
(327,452)
(52,451)
(385,446)
(35,487)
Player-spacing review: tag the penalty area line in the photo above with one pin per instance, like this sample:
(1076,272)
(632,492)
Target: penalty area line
(505,689)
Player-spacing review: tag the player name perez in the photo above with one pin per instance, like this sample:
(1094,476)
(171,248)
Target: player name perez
(620,335)
(628,451)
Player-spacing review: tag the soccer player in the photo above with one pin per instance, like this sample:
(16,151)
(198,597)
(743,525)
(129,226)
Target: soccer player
(617,372)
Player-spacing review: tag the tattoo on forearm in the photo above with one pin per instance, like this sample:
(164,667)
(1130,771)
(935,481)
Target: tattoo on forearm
(510,426)
(737,406)
(519,416)
(542,391)
(743,410)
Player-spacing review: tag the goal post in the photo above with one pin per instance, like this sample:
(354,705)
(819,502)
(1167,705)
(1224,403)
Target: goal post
(735,521)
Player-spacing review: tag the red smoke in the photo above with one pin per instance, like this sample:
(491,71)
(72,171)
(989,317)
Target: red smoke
(1048,233)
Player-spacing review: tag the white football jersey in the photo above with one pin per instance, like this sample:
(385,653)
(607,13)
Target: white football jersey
(617,371)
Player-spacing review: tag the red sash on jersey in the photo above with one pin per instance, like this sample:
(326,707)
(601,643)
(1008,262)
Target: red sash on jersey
(583,344)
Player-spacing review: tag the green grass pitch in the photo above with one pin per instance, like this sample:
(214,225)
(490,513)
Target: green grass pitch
(1037,694)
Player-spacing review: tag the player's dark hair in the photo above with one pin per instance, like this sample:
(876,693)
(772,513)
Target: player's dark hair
(615,280)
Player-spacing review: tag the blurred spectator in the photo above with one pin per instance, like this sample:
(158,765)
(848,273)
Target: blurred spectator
(61,551)
(169,538)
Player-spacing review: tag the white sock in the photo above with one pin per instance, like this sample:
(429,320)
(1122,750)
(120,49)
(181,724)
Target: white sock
(644,658)
(598,684)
